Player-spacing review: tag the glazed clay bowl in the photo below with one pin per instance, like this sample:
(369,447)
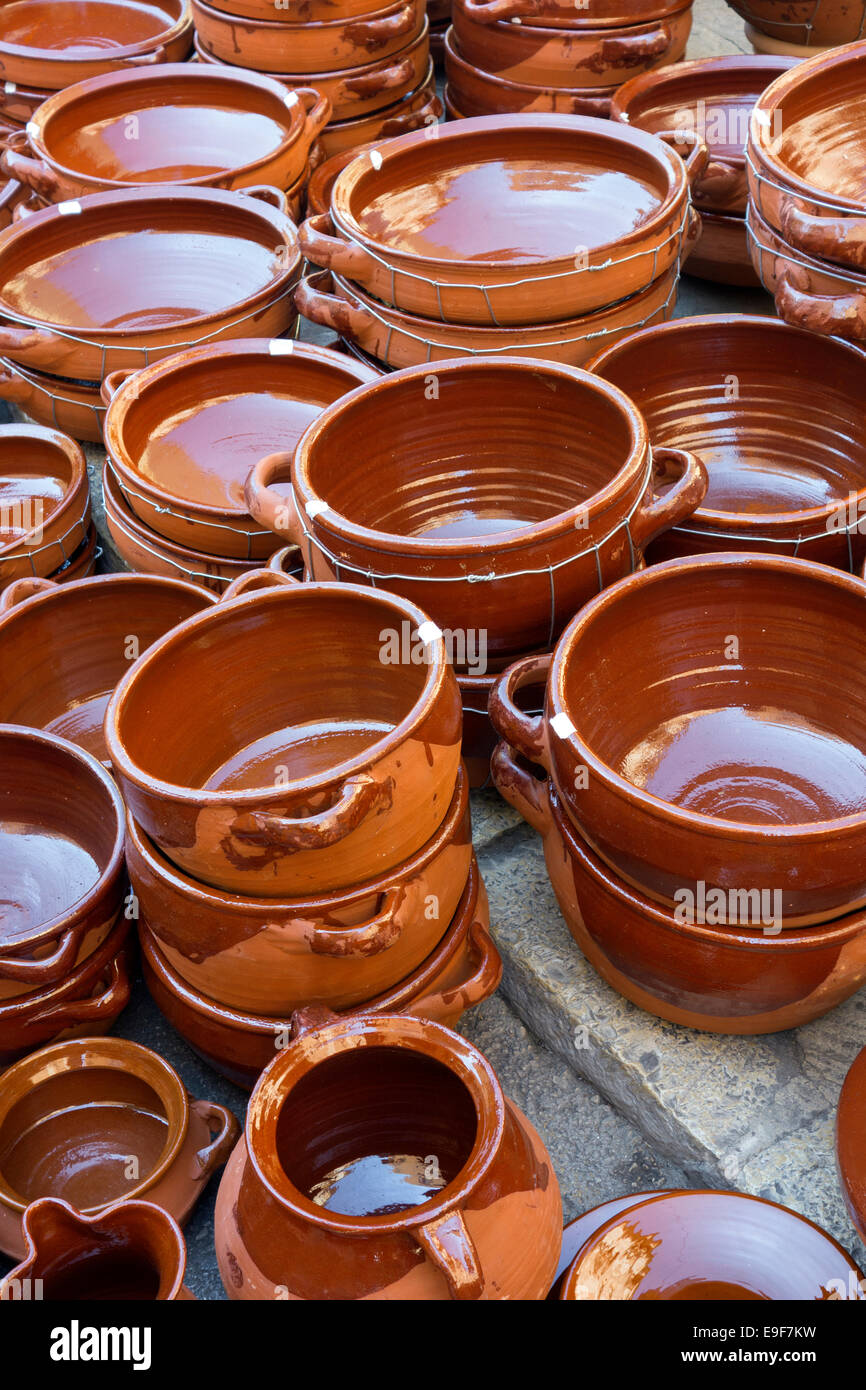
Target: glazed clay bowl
(463,970)
(18,103)
(44,500)
(51,46)
(63,648)
(740,765)
(183,434)
(474,91)
(416,110)
(564,14)
(482,1221)
(324,176)
(61,854)
(581,1228)
(266,956)
(800,23)
(721,978)
(403,340)
(851,1142)
(721,252)
(780,481)
(75,407)
(434,504)
(711,1247)
(315,46)
(134,1251)
(808,293)
(119,279)
(67,1114)
(178,123)
(310,12)
(510,221)
(339,760)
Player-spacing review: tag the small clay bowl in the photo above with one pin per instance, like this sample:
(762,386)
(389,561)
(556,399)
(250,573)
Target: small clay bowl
(75,407)
(851,1142)
(416,110)
(808,293)
(473,91)
(324,176)
(313,47)
(61,850)
(801,22)
(69,1112)
(564,14)
(580,1230)
(65,647)
(44,500)
(721,252)
(779,482)
(709,1246)
(81,564)
(464,969)
(782,48)
(47,46)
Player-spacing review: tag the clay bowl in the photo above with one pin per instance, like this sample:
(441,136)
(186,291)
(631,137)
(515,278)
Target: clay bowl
(19,103)
(44,500)
(12,195)
(403,340)
(721,252)
(472,187)
(192,125)
(61,853)
(277,800)
(183,434)
(435,501)
(711,1246)
(324,176)
(582,1227)
(780,481)
(138,274)
(564,14)
(548,57)
(75,407)
(800,23)
(475,92)
(63,648)
(741,763)
(314,46)
(134,1251)
(82,563)
(266,956)
(712,97)
(417,110)
(851,1142)
(808,293)
(310,12)
(69,1111)
(51,46)
(462,971)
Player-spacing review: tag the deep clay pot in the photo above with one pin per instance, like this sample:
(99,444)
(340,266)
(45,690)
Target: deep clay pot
(473,91)
(51,46)
(851,1142)
(44,501)
(437,511)
(781,480)
(315,46)
(802,22)
(463,970)
(808,293)
(417,110)
(75,407)
(416,1099)
(70,1112)
(131,1251)
(564,14)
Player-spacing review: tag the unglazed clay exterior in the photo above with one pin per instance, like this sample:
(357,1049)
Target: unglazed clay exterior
(317,46)
(473,91)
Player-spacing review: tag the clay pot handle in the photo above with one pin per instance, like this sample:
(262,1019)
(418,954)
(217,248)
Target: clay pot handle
(48,969)
(27,207)
(367,938)
(430,113)
(696,157)
(523,731)
(318,109)
(721,185)
(529,797)
(320,246)
(280,558)
(267,193)
(226,1131)
(673,506)
(482,977)
(630,46)
(34,346)
(144,60)
(489,11)
(385,80)
(448,1245)
(310,1019)
(371,32)
(102,1008)
(841,239)
(314,302)
(112,383)
(255,581)
(268,508)
(842,316)
(35,173)
(358,797)
(21,589)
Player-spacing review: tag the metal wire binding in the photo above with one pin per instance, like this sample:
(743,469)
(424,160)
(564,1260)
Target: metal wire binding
(808,263)
(762,178)
(54,396)
(207,579)
(181,516)
(30,554)
(808,24)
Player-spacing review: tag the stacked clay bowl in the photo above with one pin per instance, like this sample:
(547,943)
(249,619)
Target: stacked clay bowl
(499,236)
(702,827)
(797,28)
(730,388)
(439,20)
(45,523)
(851,1142)
(807,212)
(711,99)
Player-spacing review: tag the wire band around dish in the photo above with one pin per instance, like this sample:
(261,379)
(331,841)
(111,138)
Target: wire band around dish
(29,552)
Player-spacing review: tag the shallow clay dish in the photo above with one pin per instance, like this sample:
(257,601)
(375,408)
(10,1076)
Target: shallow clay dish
(67,1112)
(711,1247)
(51,46)
(324,176)
(473,91)
(415,111)
(808,293)
(582,1227)
(44,501)
(851,1142)
(800,25)
(75,407)
(721,252)
(316,46)
(564,14)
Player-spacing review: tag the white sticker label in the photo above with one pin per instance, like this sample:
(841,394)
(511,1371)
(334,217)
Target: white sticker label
(429,632)
(9,87)
(32,128)
(562,726)
(281,347)
(316,507)
(66,209)
(376,159)
(292,98)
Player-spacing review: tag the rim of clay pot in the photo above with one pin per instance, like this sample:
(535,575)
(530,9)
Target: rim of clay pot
(669,571)
(388,1031)
(738,323)
(531,535)
(174,28)
(52,441)
(585,127)
(102,1053)
(455,59)
(851,1140)
(224,614)
(339,75)
(320,26)
(93,770)
(325,174)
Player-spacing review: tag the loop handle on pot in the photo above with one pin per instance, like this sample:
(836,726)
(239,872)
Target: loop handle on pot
(841,239)
(431,112)
(520,789)
(448,1245)
(524,732)
(682,498)
(35,347)
(269,508)
(310,1019)
(372,83)
(320,246)
(318,109)
(27,207)
(375,31)
(280,558)
(629,46)
(144,60)
(357,799)
(35,173)
(18,591)
(112,383)
(696,157)
(226,1131)
(101,1008)
(255,581)
(367,938)
(489,11)
(314,302)
(267,193)
(483,972)
(722,187)
(47,969)
(842,316)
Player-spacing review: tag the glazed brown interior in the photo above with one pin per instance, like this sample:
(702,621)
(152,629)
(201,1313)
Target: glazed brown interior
(770,730)
(820,122)
(86,29)
(715,101)
(130,1255)
(374,1131)
(35,476)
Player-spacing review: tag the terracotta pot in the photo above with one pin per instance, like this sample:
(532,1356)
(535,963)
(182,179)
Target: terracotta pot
(711,1246)
(779,482)
(288,561)
(183,434)
(436,502)
(721,252)
(801,22)
(44,501)
(479,736)
(403,340)
(463,970)
(82,563)
(713,98)
(131,1251)
(808,293)
(12,195)
(65,647)
(324,176)
(580,1230)
(463,1204)
(315,46)
(851,1142)
(740,766)
(19,103)
(475,92)
(75,407)
(782,47)
(415,111)
(50,46)
(192,125)
(564,14)
(577,252)
(357,90)
(69,1112)
(368,786)
(265,956)
(300,15)
(138,274)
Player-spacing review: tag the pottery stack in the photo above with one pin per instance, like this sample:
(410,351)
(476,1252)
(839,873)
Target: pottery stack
(553,55)
(46,529)
(780,29)
(439,20)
